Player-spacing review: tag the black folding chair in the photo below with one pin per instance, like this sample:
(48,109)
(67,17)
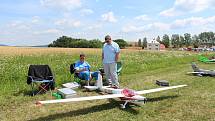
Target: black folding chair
(40,76)
(72,71)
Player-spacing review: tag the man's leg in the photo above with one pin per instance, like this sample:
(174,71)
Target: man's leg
(107,71)
(113,74)
(95,74)
(85,76)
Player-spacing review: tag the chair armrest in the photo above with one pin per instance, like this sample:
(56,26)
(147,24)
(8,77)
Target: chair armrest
(31,77)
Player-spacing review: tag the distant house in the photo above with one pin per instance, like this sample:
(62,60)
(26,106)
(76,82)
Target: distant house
(155,46)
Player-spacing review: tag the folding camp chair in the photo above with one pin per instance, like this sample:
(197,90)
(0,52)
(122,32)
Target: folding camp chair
(76,77)
(72,71)
(119,67)
(40,76)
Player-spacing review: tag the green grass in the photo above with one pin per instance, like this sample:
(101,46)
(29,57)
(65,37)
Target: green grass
(140,70)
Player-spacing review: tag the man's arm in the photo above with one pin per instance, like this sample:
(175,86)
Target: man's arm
(117,53)
(78,70)
(117,57)
(102,56)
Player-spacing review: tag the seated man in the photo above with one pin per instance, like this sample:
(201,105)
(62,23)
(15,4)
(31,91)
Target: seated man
(83,70)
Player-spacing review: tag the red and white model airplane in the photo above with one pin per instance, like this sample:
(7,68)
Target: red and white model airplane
(126,95)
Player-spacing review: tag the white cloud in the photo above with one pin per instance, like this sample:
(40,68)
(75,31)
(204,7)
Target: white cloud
(48,31)
(62,4)
(193,22)
(86,12)
(76,23)
(184,6)
(109,17)
(35,19)
(185,24)
(95,27)
(132,28)
(142,18)
(154,26)
(18,25)
(158,26)
(67,23)
(171,12)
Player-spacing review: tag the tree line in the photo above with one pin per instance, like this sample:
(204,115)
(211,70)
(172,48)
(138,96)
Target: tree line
(69,42)
(177,41)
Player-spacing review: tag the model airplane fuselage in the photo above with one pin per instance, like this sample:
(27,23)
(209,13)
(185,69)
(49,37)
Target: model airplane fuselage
(201,72)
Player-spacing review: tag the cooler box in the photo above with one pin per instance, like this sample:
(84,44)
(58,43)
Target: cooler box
(67,93)
(72,85)
(162,82)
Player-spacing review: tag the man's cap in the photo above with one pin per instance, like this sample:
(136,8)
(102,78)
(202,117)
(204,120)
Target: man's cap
(82,54)
(107,37)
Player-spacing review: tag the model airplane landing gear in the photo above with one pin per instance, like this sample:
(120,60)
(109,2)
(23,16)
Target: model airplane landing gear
(123,105)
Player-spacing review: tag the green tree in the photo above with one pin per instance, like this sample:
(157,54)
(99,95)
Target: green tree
(122,43)
(139,43)
(158,39)
(195,41)
(181,41)
(207,38)
(187,38)
(95,43)
(69,42)
(175,40)
(144,42)
(166,40)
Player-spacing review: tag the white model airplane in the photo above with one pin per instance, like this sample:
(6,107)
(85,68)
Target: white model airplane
(126,95)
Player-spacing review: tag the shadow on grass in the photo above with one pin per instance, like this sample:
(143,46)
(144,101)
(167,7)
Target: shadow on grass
(113,104)
(26,92)
(160,98)
(129,108)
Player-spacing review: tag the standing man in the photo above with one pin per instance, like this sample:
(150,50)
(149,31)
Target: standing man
(110,56)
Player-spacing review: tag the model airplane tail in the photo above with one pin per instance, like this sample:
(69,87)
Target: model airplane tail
(195,67)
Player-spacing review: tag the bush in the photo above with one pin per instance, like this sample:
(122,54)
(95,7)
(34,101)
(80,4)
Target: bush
(122,43)
(69,42)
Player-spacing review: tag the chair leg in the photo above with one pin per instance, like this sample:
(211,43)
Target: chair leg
(43,88)
(88,83)
(32,88)
(40,88)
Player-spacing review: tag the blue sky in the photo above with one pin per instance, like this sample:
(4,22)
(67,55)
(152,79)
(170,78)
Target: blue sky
(39,22)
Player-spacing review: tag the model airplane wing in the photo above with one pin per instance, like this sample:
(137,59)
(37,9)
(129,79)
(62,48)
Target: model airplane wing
(80,99)
(158,89)
(196,73)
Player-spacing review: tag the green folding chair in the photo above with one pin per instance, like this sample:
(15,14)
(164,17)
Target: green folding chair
(119,67)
